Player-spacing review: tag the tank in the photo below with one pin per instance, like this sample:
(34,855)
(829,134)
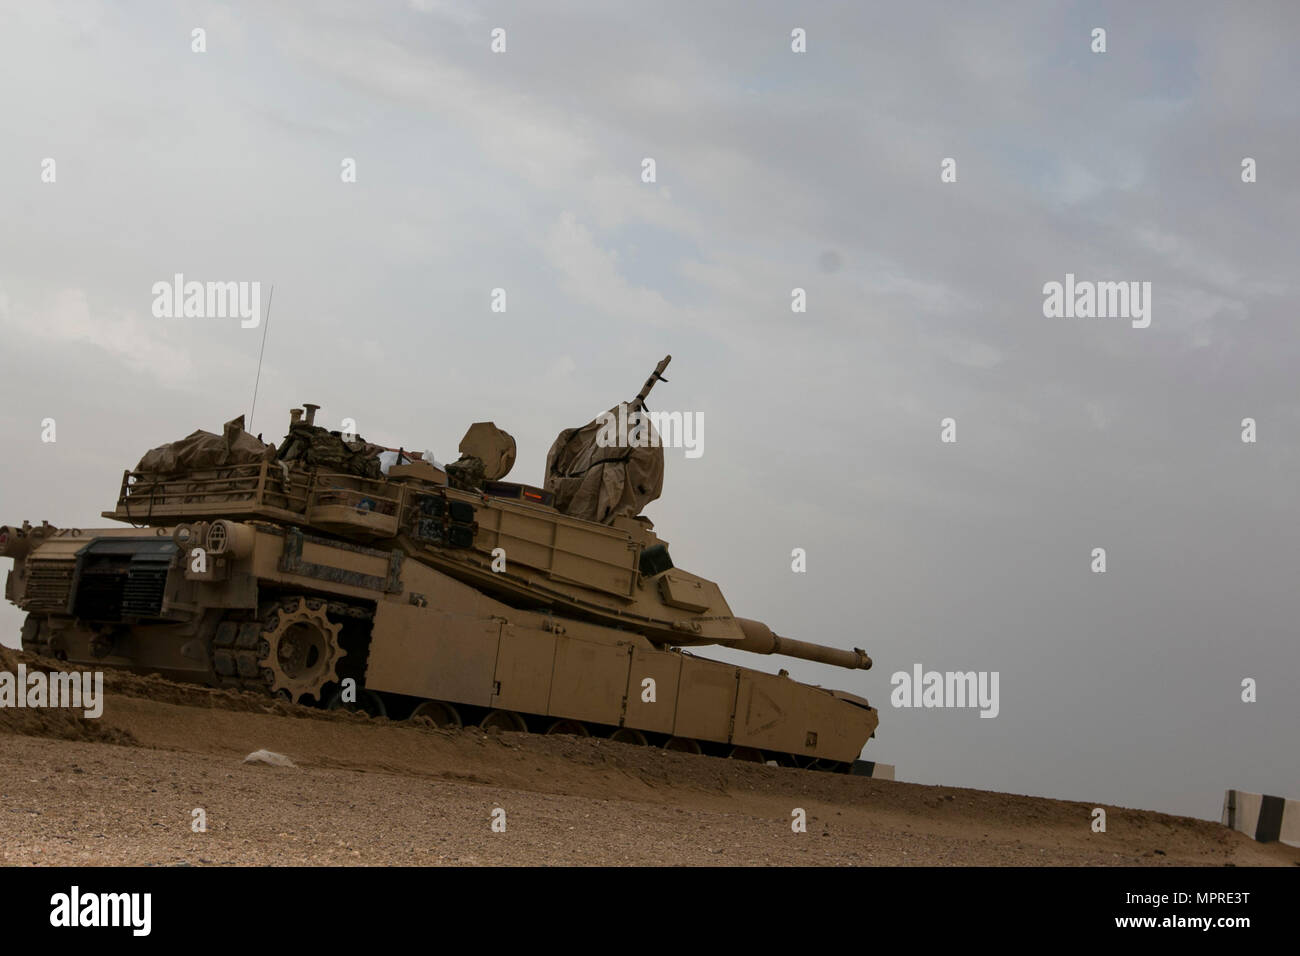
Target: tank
(336,573)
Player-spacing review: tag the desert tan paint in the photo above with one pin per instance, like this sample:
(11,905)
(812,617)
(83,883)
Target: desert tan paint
(571,628)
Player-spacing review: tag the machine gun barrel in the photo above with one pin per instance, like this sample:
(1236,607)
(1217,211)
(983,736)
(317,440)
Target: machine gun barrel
(760,639)
(657,375)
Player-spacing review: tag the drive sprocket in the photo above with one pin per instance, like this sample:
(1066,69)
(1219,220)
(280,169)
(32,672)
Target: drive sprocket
(299,648)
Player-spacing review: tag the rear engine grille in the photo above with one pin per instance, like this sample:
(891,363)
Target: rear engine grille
(99,594)
(143,594)
(48,585)
(122,578)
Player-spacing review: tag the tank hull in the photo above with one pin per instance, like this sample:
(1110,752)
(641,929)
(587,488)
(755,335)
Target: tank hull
(323,620)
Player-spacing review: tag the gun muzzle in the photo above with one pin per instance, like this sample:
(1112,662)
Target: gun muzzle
(759,639)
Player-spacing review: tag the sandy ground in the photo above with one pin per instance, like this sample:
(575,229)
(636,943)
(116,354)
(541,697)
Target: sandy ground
(122,790)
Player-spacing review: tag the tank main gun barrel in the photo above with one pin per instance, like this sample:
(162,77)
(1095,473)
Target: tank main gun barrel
(760,639)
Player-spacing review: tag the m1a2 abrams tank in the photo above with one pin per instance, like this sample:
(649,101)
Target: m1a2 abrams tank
(333,572)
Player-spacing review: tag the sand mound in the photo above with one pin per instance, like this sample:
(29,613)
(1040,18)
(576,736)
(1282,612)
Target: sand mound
(60,722)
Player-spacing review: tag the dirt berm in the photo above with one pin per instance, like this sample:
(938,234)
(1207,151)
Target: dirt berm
(124,788)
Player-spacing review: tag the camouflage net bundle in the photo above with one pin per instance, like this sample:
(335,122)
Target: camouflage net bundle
(202,450)
(600,482)
(465,474)
(207,458)
(317,448)
(203,467)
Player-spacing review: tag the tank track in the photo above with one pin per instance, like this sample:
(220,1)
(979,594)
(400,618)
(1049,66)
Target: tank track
(36,636)
(240,647)
(240,653)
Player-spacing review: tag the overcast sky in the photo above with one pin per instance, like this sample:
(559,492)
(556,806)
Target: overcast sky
(522,170)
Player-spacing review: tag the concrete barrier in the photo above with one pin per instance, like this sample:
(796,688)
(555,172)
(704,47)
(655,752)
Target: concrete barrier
(1266,819)
(869,768)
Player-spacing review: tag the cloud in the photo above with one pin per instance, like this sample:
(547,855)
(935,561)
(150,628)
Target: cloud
(775,171)
(590,274)
(68,322)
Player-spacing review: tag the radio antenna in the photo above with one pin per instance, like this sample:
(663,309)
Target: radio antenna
(266,324)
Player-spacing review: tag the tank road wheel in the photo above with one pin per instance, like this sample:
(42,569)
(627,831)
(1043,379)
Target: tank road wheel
(629,735)
(367,702)
(504,721)
(829,766)
(683,745)
(299,649)
(565,726)
(747,754)
(443,715)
